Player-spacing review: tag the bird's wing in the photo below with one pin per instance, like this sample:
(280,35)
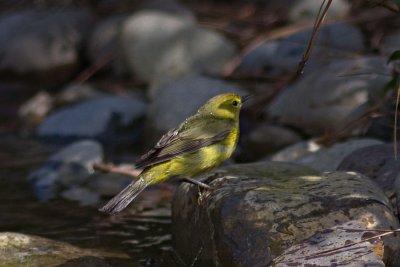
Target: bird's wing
(188,137)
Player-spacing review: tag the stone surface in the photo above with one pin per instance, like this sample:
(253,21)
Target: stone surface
(162,47)
(44,44)
(377,162)
(354,251)
(31,251)
(95,118)
(74,92)
(68,168)
(275,57)
(335,93)
(266,139)
(322,158)
(180,99)
(84,196)
(256,211)
(35,109)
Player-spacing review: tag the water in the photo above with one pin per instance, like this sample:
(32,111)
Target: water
(142,231)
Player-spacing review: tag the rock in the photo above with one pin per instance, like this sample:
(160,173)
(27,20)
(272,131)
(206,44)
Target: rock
(276,57)
(30,251)
(319,158)
(35,109)
(307,10)
(95,118)
(332,97)
(181,99)
(168,6)
(68,168)
(390,44)
(327,252)
(162,47)
(43,45)
(266,139)
(256,211)
(377,162)
(108,184)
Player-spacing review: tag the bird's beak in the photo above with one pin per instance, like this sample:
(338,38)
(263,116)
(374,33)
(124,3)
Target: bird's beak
(246,97)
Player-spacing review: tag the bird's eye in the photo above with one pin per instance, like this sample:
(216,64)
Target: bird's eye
(235,103)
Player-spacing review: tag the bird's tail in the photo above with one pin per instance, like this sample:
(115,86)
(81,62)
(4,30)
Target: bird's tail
(120,201)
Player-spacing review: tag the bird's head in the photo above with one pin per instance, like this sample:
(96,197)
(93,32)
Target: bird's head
(224,106)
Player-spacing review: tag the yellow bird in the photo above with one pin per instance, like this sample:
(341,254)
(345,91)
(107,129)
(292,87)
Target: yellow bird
(200,143)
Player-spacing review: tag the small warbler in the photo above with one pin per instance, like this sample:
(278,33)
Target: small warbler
(200,143)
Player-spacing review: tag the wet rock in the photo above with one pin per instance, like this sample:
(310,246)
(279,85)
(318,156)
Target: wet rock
(30,251)
(84,196)
(101,118)
(275,57)
(256,211)
(377,162)
(42,45)
(66,169)
(322,158)
(307,10)
(181,99)
(335,93)
(107,184)
(266,139)
(162,47)
(327,252)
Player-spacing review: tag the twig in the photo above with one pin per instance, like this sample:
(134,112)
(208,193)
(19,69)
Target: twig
(95,67)
(111,168)
(197,256)
(368,230)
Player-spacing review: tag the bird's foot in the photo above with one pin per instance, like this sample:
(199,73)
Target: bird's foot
(198,183)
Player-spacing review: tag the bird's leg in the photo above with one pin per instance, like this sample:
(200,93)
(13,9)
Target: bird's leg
(198,183)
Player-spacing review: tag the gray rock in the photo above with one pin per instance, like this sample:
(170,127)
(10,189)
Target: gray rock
(42,42)
(319,158)
(377,162)
(266,139)
(329,95)
(281,56)
(31,251)
(181,99)
(94,118)
(326,252)
(163,47)
(256,211)
(76,92)
(67,168)
(107,184)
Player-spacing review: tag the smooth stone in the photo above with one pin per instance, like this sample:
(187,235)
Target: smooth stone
(18,249)
(322,158)
(256,211)
(68,168)
(276,57)
(94,118)
(160,47)
(42,44)
(335,93)
(377,162)
(178,100)
(322,248)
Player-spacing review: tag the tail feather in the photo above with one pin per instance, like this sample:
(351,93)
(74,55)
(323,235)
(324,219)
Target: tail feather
(120,201)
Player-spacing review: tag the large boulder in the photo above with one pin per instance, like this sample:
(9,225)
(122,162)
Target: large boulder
(256,211)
